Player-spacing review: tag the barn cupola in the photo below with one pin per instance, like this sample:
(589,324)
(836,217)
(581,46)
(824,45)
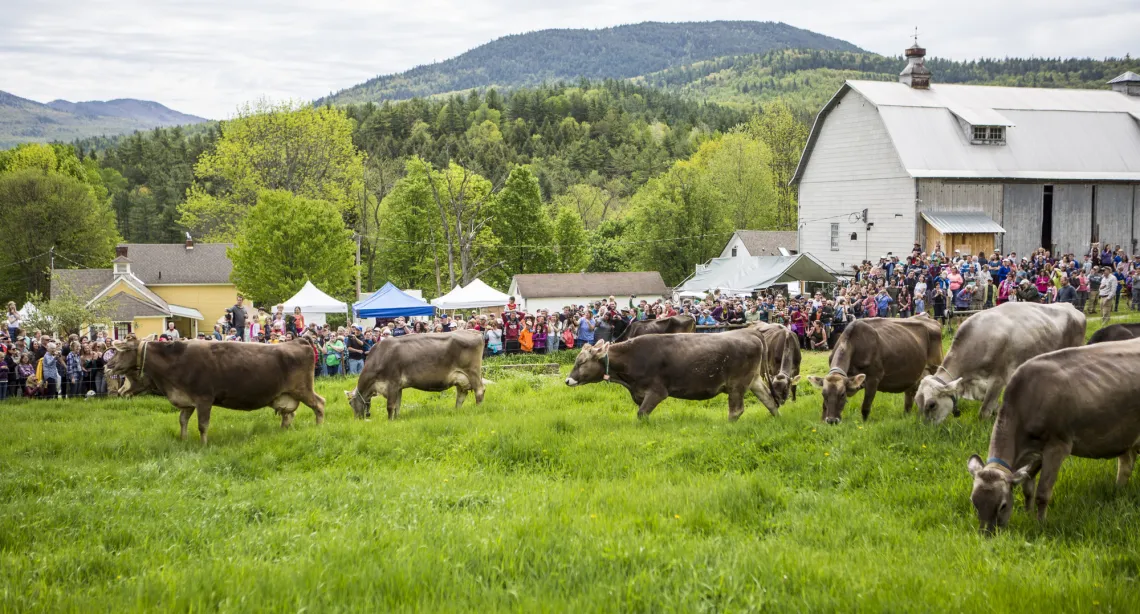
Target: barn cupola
(121,262)
(916,74)
(1128,83)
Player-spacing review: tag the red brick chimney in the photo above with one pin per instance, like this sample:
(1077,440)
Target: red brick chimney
(120,251)
(189,241)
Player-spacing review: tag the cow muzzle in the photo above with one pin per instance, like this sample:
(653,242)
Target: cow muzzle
(832,420)
(571,381)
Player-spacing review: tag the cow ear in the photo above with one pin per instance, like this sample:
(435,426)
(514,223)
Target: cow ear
(955,386)
(816,381)
(856,383)
(587,347)
(1021,475)
(975,464)
(795,380)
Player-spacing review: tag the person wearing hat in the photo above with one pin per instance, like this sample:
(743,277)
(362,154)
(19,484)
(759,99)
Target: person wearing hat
(1027,292)
(445,323)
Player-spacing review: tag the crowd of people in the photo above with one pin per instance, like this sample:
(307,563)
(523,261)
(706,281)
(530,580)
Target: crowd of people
(40,365)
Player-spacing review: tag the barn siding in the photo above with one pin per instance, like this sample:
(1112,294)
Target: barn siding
(1072,218)
(1114,215)
(852,167)
(942,195)
(1021,210)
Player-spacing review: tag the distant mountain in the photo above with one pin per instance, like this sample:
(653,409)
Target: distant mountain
(25,121)
(612,53)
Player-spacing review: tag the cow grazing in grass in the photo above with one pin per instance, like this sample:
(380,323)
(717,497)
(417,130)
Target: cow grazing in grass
(783,359)
(1115,332)
(197,375)
(989,347)
(1047,414)
(433,362)
(693,367)
(662,326)
(884,354)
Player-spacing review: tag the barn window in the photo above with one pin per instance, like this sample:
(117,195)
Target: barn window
(733,251)
(122,330)
(835,237)
(988,135)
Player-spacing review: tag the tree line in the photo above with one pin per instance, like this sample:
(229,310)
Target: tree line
(591,176)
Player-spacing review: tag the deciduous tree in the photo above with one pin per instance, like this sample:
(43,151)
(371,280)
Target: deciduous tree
(287,239)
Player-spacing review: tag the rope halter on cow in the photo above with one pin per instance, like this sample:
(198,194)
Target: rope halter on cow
(142,357)
(944,383)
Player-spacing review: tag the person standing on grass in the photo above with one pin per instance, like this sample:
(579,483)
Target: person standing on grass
(494,338)
(334,355)
(1108,288)
(235,317)
(586,328)
(355,347)
(526,336)
(51,369)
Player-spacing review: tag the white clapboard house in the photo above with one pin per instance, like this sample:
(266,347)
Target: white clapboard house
(891,164)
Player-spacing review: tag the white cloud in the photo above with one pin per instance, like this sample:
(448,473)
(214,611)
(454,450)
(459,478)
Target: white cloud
(207,57)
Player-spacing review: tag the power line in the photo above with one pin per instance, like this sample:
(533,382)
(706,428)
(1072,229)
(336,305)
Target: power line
(647,241)
(12,264)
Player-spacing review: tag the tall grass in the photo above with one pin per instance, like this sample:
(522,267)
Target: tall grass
(543,498)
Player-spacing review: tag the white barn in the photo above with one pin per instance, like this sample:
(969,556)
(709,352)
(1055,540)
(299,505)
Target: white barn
(888,165)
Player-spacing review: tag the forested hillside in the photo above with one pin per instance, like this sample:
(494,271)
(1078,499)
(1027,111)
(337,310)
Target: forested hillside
(28,121)
(807,78)
(610,53)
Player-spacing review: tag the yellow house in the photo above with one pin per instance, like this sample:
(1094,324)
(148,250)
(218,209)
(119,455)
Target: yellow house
(150,285)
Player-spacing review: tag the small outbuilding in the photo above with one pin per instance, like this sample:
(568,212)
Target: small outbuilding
(553,291)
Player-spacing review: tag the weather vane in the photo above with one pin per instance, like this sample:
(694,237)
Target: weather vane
(916,36)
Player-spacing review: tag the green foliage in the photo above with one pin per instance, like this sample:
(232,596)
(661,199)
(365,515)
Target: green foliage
(51,209)
(65,313)
(519,221)
(410,240)
(307,151)
(607,252)
(611,53)
(571,250)
(594,204)
(785,138)
(542,498)
(286,240)
(738,166)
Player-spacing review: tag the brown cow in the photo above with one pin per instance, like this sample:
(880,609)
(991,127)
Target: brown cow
(197,375)
(693,367)
(662,326)
(887,354)
(1048,415)
(783,359)
(433,362)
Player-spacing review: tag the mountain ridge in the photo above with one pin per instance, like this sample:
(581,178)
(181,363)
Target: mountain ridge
(26,121)
(618,52)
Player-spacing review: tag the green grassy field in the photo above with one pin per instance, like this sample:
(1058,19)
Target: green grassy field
(544,498)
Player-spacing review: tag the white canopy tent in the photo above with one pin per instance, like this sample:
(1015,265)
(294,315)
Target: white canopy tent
(475,295)
(314,304)
(740,276)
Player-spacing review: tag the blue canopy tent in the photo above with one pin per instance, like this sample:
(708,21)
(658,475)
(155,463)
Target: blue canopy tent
(390,302)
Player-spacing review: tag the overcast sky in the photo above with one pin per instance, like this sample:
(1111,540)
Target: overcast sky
(207,56)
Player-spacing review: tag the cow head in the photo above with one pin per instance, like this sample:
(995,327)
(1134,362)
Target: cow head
(125,359)
(937,398)
(782,387)
(360,405)
(836,387)
(590,365)
(993,492)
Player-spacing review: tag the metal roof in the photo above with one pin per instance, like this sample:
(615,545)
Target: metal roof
(743,275)
(1051,134)
(1128,77)
(962,222)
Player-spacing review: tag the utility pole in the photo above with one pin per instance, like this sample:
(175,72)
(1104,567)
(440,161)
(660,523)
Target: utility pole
(51,268)
(357,235)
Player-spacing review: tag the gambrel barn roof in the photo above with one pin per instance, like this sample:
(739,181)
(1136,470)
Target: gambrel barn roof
(1052,134)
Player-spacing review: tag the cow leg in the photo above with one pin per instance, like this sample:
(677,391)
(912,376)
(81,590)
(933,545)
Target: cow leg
(908,398)
(764,394)
(735,405)
(1124,466)
(204,419)
(649,401)
(1051,458)
(868,399)
(990,402)
(394,396)
(315,402)
(794,386)
(478,386)
(184,419)
(1029,486)
(460,396)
